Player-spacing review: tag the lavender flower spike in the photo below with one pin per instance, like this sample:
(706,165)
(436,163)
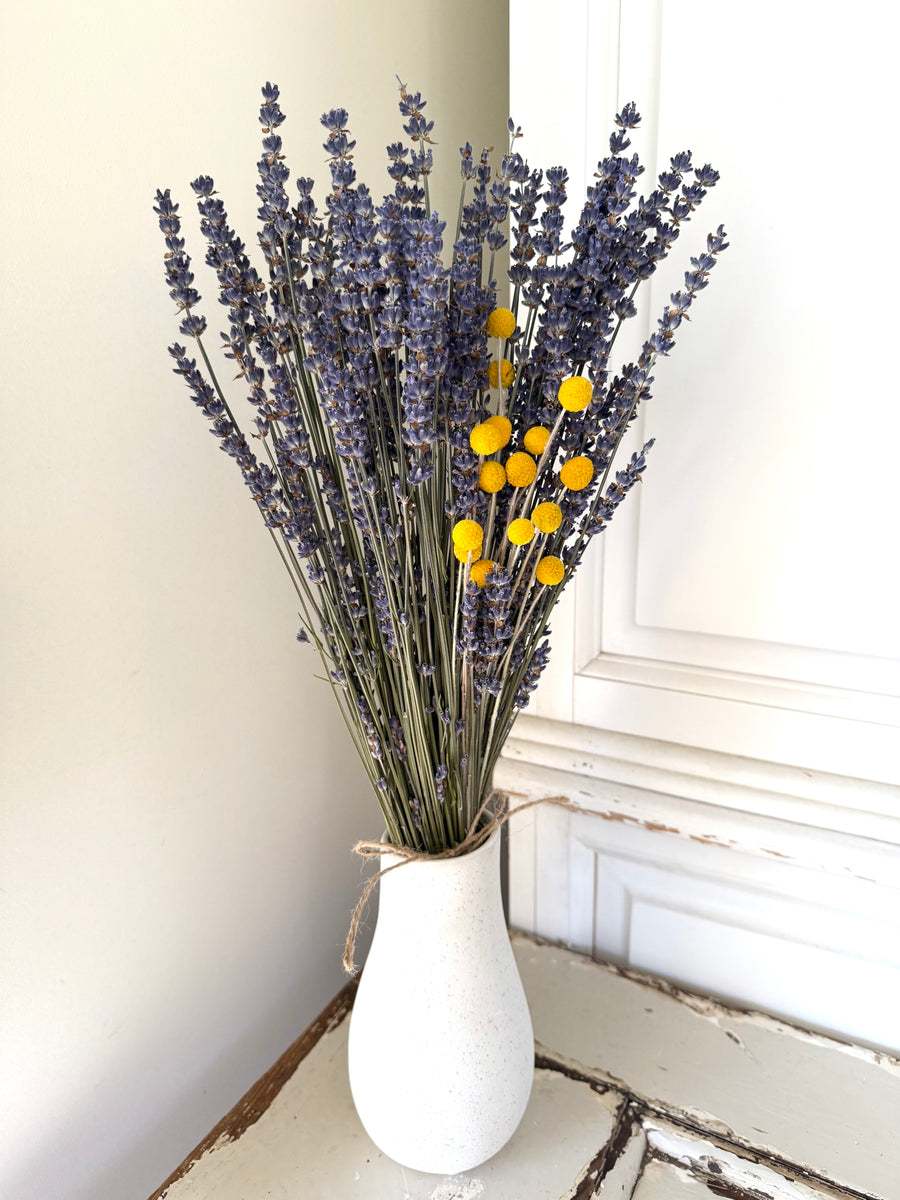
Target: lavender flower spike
(429,489)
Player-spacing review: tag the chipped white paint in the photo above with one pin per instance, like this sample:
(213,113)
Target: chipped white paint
(665,1181)
(729,663)
(441,1045)
(758,1082)
(695,1094)
(625,1171)
(766,912)
(662,1179)
(704,1160)
(640,767)
(310,1143)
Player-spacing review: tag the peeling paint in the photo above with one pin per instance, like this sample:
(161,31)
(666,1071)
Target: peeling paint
(562,1067)
(628,819)
(552,1061)
(598,1169)
(737,1172)
(709,839)
(715,1010)
(706,1121)
(697,1123)
(618,816)
(721,1187)
(697,1170)
(625,818)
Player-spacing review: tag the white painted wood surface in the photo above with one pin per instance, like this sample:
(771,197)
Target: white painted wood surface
(757,1083)
(695,1166)
(640,1091)
(727,671)
(801,921)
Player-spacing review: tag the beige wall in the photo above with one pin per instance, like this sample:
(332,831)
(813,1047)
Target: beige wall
(179,799)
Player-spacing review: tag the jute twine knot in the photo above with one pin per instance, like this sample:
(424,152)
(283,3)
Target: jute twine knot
(477,836)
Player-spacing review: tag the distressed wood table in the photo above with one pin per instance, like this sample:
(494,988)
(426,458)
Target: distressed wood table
(641,1091)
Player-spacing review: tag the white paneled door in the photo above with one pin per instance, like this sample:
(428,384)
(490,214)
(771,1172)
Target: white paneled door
(725,688)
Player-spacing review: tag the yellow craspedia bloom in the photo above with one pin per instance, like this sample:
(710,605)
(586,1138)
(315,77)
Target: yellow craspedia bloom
(503,424)
(577,473)
(507,374)
(520,532)
(550,571)
(492,477)
(575,393)
(486,439)
(481,570)
(547,517)
(467,535)
(462,555)
(536,439)
(520,469)
(501,323)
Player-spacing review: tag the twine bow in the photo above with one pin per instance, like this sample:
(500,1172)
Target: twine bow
(475,838)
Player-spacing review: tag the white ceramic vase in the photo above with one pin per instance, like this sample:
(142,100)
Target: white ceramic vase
(441,1045)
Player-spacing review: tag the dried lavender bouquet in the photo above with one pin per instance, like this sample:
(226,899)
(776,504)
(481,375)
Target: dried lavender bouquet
(431,465)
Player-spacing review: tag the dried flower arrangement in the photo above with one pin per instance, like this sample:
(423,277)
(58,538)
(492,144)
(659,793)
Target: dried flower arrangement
(432,465)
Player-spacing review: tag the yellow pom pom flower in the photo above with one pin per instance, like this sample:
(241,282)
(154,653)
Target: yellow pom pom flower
(481,570)
(501,323)
(547,517)
(492,477)
(520,469)
(486,439)
(462,555)
(536,440)
(468,535)
(577,473)
(575,393)
(520,532)
(507,374)
(550,571)
(504,425)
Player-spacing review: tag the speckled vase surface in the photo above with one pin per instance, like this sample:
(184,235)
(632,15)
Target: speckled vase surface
(441,1046)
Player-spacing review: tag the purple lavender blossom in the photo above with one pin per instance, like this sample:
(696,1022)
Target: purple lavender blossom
(362,351)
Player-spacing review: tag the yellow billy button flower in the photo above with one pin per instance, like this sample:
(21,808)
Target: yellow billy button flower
(550,571)
(577,473)
(501,323)
(575,393)
(468,535)
(520,469)
(481,570)
(520,532)
(462,555)
(547,517)
(492,477)
(504,425)
(536,440)
(486,439)
(507,374)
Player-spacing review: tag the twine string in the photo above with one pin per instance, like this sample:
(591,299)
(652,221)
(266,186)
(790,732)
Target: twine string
(475,838)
